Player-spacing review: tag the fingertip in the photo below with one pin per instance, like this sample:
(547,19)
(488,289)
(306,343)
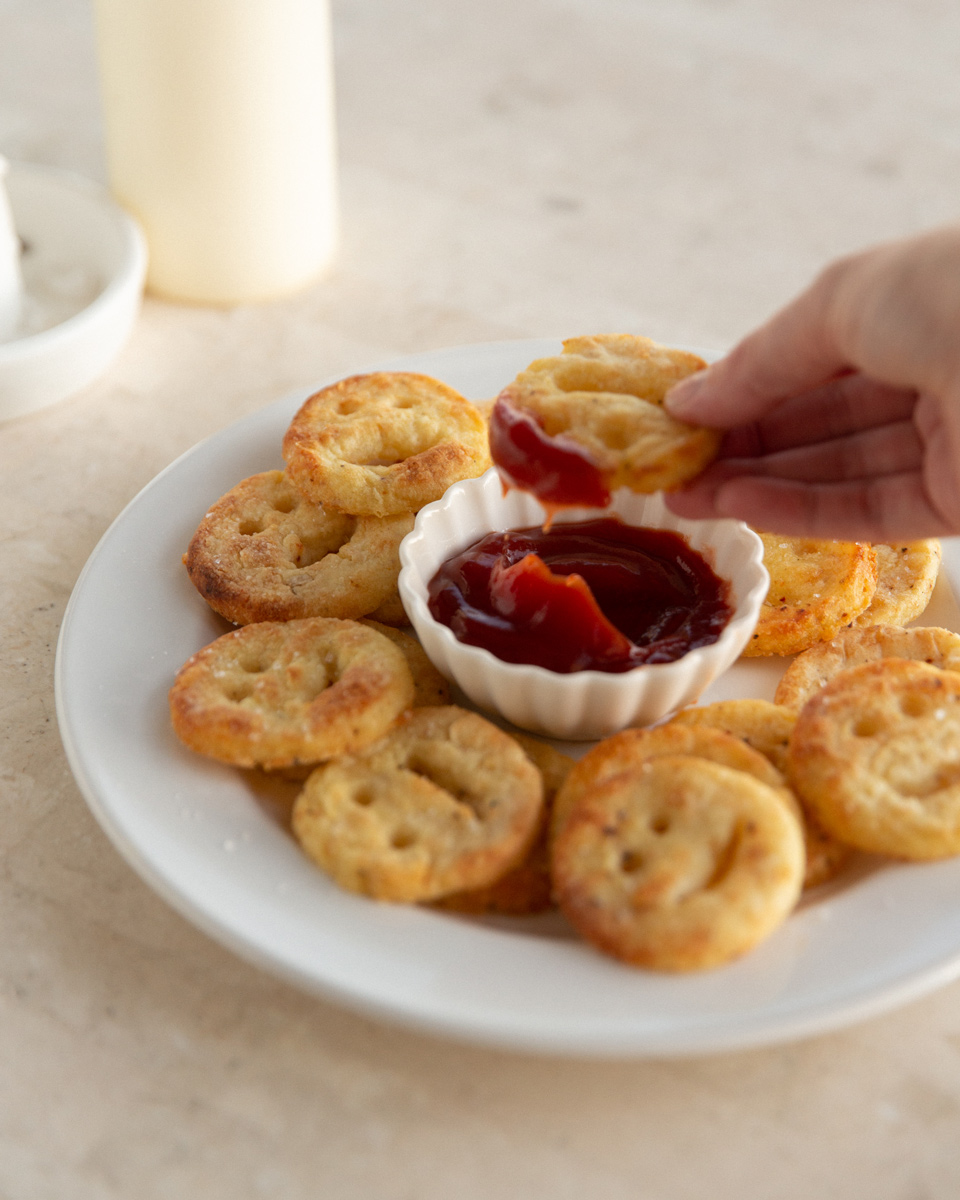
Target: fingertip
(692,503)
(684,398)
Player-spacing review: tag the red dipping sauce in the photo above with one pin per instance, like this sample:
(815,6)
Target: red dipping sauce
(589,595)
(557,470)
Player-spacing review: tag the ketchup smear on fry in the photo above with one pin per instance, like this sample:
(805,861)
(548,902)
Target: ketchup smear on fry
(556,470)
(594,595)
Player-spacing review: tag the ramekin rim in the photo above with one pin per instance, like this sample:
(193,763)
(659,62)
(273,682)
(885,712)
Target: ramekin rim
(748,606)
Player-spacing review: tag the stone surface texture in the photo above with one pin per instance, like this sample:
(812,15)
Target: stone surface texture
(509,170)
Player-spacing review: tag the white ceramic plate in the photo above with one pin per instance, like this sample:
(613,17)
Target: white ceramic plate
(217,850)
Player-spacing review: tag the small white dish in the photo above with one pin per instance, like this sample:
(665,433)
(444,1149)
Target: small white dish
(83,269)
(583,704)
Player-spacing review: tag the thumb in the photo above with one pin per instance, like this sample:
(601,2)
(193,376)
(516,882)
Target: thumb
(792,353)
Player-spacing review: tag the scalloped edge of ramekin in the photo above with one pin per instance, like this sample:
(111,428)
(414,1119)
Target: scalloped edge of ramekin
(584,705)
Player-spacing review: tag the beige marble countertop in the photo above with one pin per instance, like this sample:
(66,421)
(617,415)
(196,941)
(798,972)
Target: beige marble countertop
(509,170)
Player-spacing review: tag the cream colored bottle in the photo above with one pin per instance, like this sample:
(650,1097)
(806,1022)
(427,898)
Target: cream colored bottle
(219,128)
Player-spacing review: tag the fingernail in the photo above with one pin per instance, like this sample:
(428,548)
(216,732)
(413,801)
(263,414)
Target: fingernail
(684,396)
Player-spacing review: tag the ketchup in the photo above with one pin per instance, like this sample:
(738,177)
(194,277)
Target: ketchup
(557,470)
(589,595)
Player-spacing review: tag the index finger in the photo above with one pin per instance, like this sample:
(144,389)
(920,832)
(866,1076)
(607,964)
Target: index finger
(848,404)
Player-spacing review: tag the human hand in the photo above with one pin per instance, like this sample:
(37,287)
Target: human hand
(843,411)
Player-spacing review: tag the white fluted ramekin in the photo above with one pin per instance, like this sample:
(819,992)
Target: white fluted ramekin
(584,704)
